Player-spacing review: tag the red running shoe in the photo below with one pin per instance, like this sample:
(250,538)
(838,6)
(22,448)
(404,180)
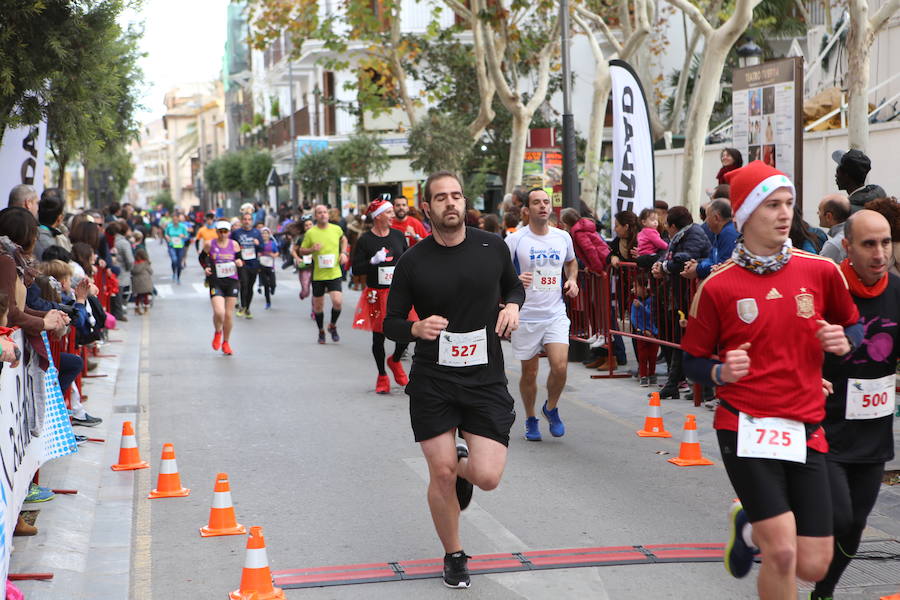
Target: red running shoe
(226,348)
(383,385)
(397,369)
(217,340)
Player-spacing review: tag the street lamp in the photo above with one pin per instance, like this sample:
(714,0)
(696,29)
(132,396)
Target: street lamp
(749,54)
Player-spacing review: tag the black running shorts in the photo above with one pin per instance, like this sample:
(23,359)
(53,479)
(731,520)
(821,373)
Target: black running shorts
(331,285)
(768,488)
(437,406)
(225,287)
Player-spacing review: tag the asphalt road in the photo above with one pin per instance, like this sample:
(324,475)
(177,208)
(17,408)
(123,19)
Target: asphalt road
(331,472)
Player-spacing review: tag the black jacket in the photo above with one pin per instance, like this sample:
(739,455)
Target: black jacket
(689,243)
(865,194)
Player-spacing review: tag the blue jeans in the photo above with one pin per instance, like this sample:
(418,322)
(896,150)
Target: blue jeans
(176,255)
(69,367)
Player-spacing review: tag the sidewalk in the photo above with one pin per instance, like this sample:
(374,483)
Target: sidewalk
(85,539)
(624,401)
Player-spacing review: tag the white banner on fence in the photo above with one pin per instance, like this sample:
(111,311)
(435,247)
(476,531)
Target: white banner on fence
(22,154)
(633,178)
(33,413)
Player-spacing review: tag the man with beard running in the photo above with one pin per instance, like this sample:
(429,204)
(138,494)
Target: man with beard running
(327,244)
(455,279)
(406,224)
(544,257)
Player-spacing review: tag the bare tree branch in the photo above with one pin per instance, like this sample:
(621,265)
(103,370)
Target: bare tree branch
(883,15)
(801,7)
(694,15)
(607,32)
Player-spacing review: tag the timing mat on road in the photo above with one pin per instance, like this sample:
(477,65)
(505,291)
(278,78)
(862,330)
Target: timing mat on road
(534,560)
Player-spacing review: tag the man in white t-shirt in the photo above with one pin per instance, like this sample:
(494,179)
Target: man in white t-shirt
(545,260)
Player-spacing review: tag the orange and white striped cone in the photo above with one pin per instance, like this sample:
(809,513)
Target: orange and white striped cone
(653,423)
(256,579)
(129,457)
(168,482)
(689,455)
(221,516)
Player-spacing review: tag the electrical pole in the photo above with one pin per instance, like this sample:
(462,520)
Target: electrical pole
(570,158)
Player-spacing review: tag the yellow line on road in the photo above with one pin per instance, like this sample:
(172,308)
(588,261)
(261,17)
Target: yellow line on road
(141,585)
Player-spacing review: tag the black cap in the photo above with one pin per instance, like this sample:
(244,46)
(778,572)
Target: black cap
(853,162)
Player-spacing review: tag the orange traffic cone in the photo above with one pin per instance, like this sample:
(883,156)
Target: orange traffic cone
(653,424)
(221,515)
(256,580)
(689,455)
(168,483)
(129,457)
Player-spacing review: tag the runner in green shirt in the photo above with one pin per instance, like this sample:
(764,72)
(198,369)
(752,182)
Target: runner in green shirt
(328,246)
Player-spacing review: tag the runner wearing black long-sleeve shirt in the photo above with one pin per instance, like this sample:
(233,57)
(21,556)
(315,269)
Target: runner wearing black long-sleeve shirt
(457,280)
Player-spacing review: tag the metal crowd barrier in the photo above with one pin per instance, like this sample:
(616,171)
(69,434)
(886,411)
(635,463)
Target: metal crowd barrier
(603,309)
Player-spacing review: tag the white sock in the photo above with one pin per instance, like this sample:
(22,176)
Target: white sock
(747,534)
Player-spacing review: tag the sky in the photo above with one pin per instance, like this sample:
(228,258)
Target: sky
(184,41)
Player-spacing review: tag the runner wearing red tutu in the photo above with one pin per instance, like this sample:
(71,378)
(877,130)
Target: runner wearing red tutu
(375,254)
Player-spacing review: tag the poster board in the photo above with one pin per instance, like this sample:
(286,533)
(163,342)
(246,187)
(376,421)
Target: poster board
(767,107)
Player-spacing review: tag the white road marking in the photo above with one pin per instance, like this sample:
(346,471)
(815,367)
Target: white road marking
(544,585)
(200,289)
(164,290)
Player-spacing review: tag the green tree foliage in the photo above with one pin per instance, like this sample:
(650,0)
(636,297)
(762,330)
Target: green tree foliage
(116,160)
(35,43)
(212,176)
(95,109)
(438,142)
(255,168)
(232,173)
(55,52)
(165,199)
(362,157)
(316,172)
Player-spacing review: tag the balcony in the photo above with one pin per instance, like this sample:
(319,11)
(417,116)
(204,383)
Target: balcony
(279,133)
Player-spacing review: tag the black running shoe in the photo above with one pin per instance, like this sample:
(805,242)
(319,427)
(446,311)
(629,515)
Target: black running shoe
(463,486)
(456,570)
(321,337)
(334,334)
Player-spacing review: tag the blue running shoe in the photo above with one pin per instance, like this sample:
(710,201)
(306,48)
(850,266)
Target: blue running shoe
(738,555)
(532,430)
(557,429)
(37,493)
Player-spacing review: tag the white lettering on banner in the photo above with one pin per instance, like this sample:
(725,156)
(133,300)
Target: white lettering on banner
(385,275)
(771,437)
(870,398)
(225,269)
(23,402)
(22,151)
(326,261)
(633,168)
(267,261)
(546,279)
(462,349)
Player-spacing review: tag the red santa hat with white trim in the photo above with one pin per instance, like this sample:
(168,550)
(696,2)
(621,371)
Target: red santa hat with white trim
(377,207)
(751,185)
